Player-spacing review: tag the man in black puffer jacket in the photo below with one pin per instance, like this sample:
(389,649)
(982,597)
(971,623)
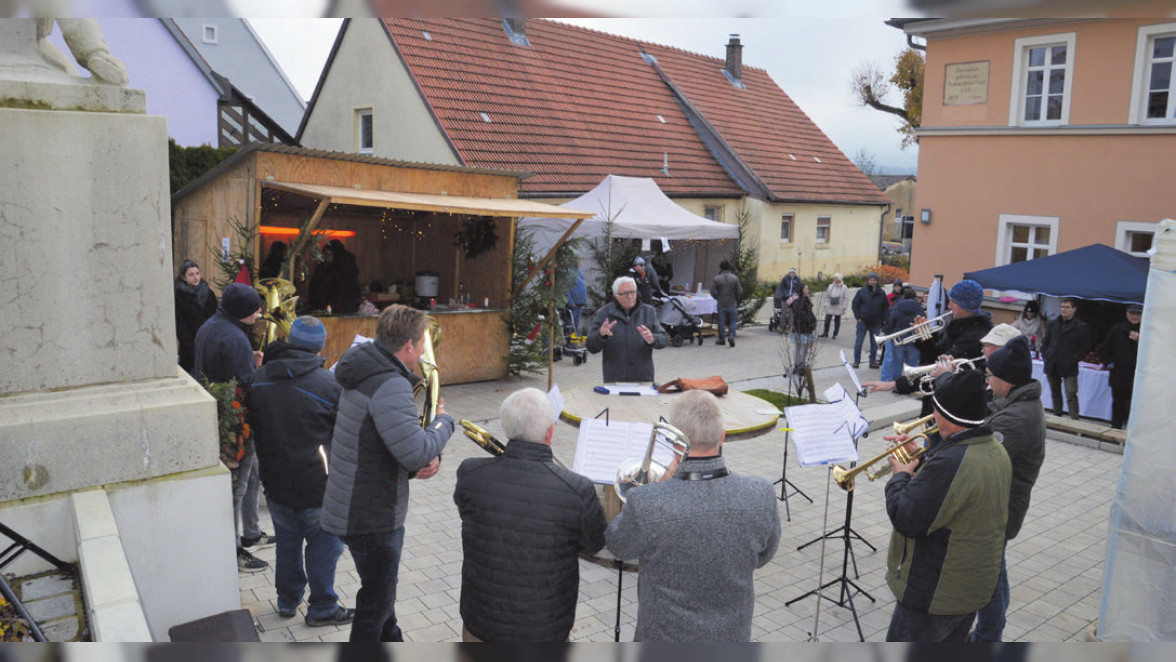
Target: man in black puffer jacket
(378,442)
(524,523)
(292,404)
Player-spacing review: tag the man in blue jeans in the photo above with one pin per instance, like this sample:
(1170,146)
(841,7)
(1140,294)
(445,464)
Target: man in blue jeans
(292,404)
(377,446)
(869,309)
(727,292)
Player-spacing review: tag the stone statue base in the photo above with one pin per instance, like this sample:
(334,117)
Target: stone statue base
(75,94)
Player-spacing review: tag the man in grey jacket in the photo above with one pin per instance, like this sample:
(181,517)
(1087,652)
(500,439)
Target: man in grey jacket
(1017,414)
(727,292)
(698,536)
(627,331)
(378,444)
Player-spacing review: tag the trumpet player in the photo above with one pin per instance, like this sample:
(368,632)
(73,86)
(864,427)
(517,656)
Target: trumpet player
(378,442)
(698,537)
(524,523)
(959,338)
(1017,415)
(949,510)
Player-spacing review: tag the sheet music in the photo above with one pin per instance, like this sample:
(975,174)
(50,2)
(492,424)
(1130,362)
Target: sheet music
(556,398)
(626,388)
(857,383)
(820,433)
(857,424)
(602,448)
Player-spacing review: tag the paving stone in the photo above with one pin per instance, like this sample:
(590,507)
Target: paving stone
(65,629)
(43,587)
(48,609)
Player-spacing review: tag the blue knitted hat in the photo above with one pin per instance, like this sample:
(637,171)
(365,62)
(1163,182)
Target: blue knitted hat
(968,294)
(308,332)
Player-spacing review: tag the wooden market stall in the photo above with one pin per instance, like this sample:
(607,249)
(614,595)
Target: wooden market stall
(399,219)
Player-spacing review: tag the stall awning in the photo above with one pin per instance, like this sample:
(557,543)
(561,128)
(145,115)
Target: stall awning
(449,204)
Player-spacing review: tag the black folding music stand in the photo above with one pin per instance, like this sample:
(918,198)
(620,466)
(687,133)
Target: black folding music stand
(847,587)
(786,484)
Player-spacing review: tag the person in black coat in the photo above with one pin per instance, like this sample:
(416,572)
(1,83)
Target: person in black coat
(804,326)
(292,404)
(870,308)
(195,303)
(524,523)
(648,282)
(1067,340)
(272,267)
(335,284)
(1118,352)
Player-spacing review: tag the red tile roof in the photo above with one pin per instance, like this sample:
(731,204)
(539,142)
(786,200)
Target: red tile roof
(578,104)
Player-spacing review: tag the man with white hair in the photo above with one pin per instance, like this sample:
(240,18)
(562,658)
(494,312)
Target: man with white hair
(524,522)
(627,331)
(698,537)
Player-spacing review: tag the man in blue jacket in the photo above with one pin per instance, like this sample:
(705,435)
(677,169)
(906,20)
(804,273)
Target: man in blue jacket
(377,445)
(292,404)
(869,309)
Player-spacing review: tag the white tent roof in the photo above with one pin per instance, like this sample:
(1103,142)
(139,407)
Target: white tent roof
(638,210)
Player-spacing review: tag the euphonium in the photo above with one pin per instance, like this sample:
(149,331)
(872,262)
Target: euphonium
(278,302)
(921,331)
(430,383)
(844,477)
(637,471)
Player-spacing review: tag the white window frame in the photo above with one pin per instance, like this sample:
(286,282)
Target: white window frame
(828,230)
(1137,114)
(360,113)
(209,33)
(1124,230)
(1004,234)
(790,219)
(713,213)
(1020,78)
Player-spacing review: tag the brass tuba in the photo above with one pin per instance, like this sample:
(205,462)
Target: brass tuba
(278,301)
(844,477)
(430,383)
(643,470)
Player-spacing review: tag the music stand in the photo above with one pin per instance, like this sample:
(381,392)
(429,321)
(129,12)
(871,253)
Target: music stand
(846,531)
(785,484)
(843,581)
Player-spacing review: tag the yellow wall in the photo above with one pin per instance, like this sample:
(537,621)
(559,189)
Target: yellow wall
(853,245)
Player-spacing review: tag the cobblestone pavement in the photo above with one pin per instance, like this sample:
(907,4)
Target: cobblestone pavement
(1055,564)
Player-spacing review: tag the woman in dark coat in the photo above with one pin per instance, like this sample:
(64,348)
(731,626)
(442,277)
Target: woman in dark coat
(804,325)
(195,303)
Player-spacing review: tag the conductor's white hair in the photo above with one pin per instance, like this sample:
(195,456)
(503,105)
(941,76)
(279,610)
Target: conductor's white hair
(526,415)
(698,415)
(621,281)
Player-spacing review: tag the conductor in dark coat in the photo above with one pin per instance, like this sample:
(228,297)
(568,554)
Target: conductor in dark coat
(524,523)
(698,536)
(627,331)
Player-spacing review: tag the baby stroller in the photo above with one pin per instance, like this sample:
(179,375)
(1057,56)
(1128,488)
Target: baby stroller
(573,343)
(781,320)
(678,319)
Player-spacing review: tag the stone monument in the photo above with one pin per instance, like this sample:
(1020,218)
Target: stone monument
(91,397)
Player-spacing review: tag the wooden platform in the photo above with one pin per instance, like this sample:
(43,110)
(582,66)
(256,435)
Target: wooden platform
(1085,427)
(743,415)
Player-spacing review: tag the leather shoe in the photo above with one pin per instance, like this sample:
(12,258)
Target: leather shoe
(730,341)
(342,616)
(719,341)
(874,366)
(855,365)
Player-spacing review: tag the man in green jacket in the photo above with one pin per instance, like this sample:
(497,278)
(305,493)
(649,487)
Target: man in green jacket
(949,509)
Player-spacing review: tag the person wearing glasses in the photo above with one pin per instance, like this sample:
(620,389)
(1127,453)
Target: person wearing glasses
(627,331)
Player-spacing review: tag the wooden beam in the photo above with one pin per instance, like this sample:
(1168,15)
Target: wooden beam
(550,255)
(304,237)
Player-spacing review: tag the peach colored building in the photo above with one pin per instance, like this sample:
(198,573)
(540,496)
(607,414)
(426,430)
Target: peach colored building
(1040,136)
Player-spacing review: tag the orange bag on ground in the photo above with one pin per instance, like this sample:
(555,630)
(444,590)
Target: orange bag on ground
(714,384)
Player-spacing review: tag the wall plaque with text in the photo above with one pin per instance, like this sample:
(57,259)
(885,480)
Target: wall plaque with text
(965,83)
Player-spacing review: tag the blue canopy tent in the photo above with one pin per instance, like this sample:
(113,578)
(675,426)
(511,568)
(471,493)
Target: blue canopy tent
(1092,272)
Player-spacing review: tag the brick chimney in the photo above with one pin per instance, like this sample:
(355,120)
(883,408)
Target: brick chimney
(735,59)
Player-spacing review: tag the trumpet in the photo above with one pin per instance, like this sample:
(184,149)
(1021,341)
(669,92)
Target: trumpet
(845,477)
(921,331)
(922,374)
(482,437)
(637,471)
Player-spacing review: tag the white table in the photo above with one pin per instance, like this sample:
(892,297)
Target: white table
(1094,390)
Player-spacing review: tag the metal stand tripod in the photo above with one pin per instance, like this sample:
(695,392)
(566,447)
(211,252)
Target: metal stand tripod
(786,484)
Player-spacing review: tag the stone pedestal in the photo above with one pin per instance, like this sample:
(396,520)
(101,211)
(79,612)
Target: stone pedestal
(90,393)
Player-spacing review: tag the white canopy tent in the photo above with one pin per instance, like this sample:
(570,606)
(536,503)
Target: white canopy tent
(638,209)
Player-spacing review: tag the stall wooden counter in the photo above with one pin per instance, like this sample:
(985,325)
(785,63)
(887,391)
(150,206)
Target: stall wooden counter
(471,349)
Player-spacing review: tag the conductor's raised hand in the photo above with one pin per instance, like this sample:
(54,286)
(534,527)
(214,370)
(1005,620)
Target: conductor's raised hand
(646,334)
(607,327)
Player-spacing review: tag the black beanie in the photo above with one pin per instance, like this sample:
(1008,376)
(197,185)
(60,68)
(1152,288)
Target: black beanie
(1012,362)
(240,301)
(960,397)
